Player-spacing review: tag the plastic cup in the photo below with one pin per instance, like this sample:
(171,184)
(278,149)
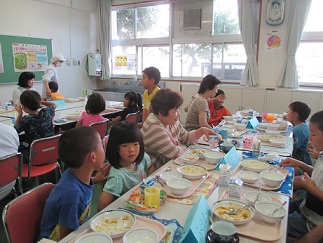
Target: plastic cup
(152,196)
(270,118)
(213,141)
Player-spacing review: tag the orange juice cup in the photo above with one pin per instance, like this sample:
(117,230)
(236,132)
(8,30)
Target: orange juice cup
(270,118)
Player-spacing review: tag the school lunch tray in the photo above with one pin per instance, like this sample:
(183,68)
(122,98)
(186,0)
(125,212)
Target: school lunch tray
(256,228)
(141,222)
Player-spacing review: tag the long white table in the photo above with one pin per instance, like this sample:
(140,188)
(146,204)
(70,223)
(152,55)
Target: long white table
(178,211)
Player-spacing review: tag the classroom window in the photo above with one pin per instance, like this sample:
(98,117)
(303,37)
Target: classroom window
(225,17)
(309,54)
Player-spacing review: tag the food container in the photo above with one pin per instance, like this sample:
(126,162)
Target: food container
(235,188)
(225,175)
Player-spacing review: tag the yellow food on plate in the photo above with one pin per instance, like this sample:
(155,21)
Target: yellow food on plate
(243,213)
(192,170)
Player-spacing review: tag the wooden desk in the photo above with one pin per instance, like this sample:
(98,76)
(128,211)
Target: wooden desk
(180,211)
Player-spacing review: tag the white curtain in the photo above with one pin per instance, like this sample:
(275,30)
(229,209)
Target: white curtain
(104,10)
(298,14)
(248,21)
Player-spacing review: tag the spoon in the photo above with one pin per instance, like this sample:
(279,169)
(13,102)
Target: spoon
(258,194)
(233,211)
(157,179)
(271,214)
(169,168)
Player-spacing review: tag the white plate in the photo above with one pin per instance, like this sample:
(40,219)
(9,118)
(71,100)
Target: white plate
(140,235)
(254,165)
(191,171)
(113,222)
(94,237)
(243,216)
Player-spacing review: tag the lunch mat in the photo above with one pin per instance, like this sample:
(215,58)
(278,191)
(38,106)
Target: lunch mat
(287,186)
(210,183)
(174,229)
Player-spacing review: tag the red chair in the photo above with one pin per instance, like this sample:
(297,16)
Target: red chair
(105,142)
(10,171)
(22,216)
(101,127)
(43,158)
(133,117)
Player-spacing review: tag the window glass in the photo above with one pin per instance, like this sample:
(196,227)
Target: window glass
(313,22)
(123,24)
(153,21)
(157,56)
(225,17)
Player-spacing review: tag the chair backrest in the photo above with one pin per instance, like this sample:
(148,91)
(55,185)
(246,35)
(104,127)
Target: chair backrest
(44,150)
(10,169)
(133,117)
(22,216)
(101,127)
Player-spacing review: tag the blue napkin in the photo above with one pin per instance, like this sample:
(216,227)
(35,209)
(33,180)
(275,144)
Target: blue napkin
(287,186)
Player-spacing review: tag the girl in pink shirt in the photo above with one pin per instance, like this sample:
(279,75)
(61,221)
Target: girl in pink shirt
(94,106)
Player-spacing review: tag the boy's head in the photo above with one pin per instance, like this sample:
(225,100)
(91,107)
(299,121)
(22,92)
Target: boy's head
(316,130)
(298,111)
(26,79)
(30,99)
(121,133)
(78,144)
(53,86)
(150,77)
(95,104)
(220,98)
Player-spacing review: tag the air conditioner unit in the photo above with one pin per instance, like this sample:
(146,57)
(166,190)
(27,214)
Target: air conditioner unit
(192,19)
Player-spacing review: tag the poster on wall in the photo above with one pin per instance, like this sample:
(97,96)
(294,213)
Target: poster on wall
(1,60)
(28,57)
(273,42)
(120,61)
(132,62)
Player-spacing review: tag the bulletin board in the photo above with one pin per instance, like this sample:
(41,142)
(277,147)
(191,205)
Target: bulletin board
(22,54)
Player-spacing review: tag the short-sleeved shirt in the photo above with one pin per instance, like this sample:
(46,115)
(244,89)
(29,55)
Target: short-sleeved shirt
(57,96)
(37,126)
(216,115)
(68,205)
(17,92)
(148,97)
(50,75)
(122,180)
(199,104)
(88,119)
(301,133)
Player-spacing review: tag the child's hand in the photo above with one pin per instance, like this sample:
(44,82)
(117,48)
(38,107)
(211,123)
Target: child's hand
(306,181)
(102,174)
(290,162)
(312,151)
(18,108)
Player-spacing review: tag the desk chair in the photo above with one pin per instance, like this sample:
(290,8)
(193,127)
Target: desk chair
(43,158)
(22,216)
(10,171)
(133,117)
(101,127)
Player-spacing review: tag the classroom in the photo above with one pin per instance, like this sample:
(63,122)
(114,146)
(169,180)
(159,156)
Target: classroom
(262,58)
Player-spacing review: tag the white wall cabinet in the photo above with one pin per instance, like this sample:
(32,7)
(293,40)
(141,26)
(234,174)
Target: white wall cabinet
(310,98)
(234,98)
(254,99)
(277,101)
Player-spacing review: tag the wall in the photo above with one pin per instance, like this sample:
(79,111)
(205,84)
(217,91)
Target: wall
(71,24)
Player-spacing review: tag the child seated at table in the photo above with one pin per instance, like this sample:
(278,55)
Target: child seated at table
(305,214)
(94,106)
(53,86)
(37,124)
(133,103)
(297,114)
(217,110)
(68,205)
(130,164)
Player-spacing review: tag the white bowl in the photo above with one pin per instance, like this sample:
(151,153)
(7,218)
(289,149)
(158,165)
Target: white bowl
(272,132)
(240,126)
(243,216)
(94,237)
(113,222)
(189,159)
(223,230)
(178,186)
(199,152)
(167,175)
(266,208)
(263,125)
(252,195)
(271,178)
(191,172)
(254,165)
(228,118)
(272,126)
(277,141)
(245,112)
(213,157)
(141,235)
(248,176)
